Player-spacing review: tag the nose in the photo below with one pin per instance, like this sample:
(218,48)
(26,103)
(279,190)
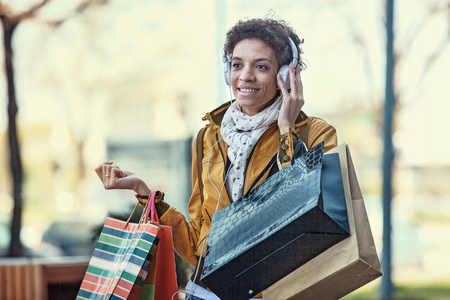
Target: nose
(247,74)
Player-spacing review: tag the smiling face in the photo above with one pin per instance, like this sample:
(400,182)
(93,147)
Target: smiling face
(254,68)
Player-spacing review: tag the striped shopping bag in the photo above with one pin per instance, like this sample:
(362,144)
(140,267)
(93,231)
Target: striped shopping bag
(121,258)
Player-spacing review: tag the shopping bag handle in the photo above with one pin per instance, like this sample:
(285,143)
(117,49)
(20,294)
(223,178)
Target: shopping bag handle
(299,150)
(151,210)
(132,213)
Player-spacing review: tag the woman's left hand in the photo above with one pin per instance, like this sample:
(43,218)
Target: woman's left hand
(292,102)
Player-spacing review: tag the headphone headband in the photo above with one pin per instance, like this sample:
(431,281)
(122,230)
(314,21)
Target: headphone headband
(294,52)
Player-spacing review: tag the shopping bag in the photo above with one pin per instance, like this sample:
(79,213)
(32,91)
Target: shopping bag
(161,281)
(344,267)
(290,218)
(121,258)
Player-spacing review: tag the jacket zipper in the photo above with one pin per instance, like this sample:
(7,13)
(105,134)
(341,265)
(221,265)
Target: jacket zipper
(225,162)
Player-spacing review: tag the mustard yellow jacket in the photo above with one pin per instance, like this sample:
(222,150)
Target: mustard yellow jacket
(189,235)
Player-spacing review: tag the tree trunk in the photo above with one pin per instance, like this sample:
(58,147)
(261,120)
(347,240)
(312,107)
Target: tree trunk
(16,247)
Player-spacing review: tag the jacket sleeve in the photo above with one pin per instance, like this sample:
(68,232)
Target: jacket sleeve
(288,142)
(186,233)
(319,131)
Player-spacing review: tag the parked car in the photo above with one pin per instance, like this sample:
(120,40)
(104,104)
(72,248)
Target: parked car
(74,238)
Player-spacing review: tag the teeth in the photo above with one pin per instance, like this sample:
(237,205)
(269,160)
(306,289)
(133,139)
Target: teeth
(248,90)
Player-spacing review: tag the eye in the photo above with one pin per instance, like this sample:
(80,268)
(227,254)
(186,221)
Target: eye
(236,65)
(262,67)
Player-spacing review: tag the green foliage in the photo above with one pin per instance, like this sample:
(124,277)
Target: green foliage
(439,290)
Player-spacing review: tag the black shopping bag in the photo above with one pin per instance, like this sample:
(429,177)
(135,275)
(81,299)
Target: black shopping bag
(290,218)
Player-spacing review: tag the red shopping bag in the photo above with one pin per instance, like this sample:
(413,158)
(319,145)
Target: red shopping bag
(161,282)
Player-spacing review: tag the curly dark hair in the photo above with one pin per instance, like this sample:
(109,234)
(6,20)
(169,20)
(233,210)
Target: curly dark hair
(275,33)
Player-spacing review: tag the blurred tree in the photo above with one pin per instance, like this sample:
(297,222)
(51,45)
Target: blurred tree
(398,56)
(10,21)
(404,42)
(16,164)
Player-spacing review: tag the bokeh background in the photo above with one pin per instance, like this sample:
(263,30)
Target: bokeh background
(129,81)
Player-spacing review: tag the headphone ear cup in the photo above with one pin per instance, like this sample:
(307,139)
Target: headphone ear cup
(227,73)
(284,72)
(226,69)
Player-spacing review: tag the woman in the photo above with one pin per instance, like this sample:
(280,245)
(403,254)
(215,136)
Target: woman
(242,136)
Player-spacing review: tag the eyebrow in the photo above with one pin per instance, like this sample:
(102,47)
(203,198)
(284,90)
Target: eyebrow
(257,60)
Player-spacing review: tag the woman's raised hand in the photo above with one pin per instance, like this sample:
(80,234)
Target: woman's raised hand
(113,177)
(292,101)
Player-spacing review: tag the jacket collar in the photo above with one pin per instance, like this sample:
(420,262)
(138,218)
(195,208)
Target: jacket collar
(215,116)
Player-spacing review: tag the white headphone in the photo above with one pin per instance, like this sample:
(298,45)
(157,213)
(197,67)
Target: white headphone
(283,71)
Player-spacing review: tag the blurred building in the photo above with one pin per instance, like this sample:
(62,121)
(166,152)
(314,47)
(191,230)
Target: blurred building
(163,164)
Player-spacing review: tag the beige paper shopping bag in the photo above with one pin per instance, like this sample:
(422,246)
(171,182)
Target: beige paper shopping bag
(344,267)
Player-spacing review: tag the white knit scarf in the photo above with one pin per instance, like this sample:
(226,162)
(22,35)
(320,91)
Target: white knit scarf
(241,132)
